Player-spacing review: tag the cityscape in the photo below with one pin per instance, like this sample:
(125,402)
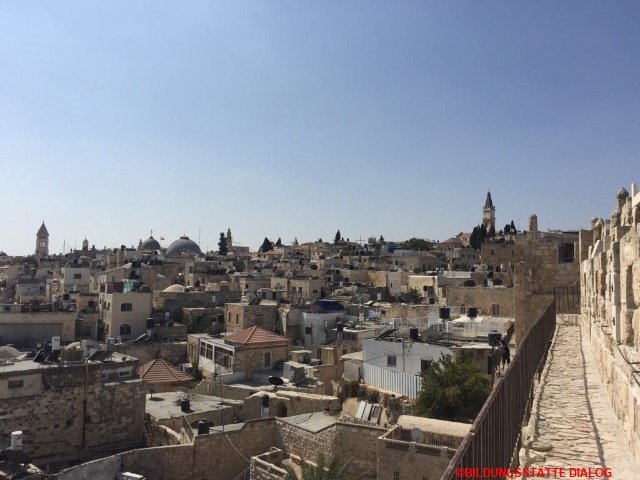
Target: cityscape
(319,241)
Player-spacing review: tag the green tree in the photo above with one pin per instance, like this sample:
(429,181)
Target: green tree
(413,296)
(419,244)
(338,238)
(223,248)
(267,245)
(513,227)
(452,390)
(279,242)
(323,470)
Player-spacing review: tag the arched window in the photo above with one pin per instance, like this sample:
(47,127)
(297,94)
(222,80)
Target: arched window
(125,329)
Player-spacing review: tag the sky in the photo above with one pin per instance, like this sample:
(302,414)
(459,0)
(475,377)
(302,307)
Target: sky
(294,119)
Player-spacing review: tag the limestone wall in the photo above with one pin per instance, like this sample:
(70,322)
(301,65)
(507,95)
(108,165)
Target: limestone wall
(539,269)
(76,415)
(308,445)
(483,298)
(610,305)
(411,460)
(173,352)
(357,445)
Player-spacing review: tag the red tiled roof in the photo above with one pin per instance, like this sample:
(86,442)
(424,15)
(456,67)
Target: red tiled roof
(255,335)
(161,371)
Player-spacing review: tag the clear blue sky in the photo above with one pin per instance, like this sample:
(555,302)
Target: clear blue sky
(289,118)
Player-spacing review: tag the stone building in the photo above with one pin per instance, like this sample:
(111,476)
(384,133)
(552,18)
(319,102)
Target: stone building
(240,354)
(239,316)
(609,256)
(258,449)
(544,262)
(73,411)
(123,314)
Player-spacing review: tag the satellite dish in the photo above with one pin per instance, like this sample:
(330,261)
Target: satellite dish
(417,435)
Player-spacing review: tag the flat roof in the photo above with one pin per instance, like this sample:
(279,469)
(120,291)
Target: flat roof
(311,422)
(167,404)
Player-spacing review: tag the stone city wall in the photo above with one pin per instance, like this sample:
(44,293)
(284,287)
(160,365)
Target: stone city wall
(610,306)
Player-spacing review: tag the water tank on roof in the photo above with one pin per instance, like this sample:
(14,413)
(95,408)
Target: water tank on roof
(203,427)
(472,312)
(444,313)
(185,405)
(494,338)
(413,334)
(16,440)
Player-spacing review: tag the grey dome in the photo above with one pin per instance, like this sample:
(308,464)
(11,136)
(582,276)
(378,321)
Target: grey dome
(150,244)
(183,246)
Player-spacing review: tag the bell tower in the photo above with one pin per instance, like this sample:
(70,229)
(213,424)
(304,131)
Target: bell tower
(489,214)
(42,241)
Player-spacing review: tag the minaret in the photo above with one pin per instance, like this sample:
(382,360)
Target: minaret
(489,213)
(42,242)
(229,239)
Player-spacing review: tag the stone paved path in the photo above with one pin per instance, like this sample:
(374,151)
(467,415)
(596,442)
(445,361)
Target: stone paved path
(572,423)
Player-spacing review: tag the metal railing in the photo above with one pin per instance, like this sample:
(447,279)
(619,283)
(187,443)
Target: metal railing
(567,299)
(495,436)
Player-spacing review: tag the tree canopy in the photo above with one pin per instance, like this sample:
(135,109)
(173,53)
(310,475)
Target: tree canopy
(338,238)
(223,248)
(413,296)
(267,245)
(420,244)
(453,391)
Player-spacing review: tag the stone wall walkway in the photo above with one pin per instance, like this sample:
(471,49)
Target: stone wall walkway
(572,424)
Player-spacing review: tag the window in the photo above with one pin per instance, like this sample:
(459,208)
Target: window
(391,360)
(203,349)
(495,309)
(396,475)
(267,359)
(237,318)
(77,276)
(16,383)
(125,329)
(126,307)
(209,353)
(424,365)
(307,330)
